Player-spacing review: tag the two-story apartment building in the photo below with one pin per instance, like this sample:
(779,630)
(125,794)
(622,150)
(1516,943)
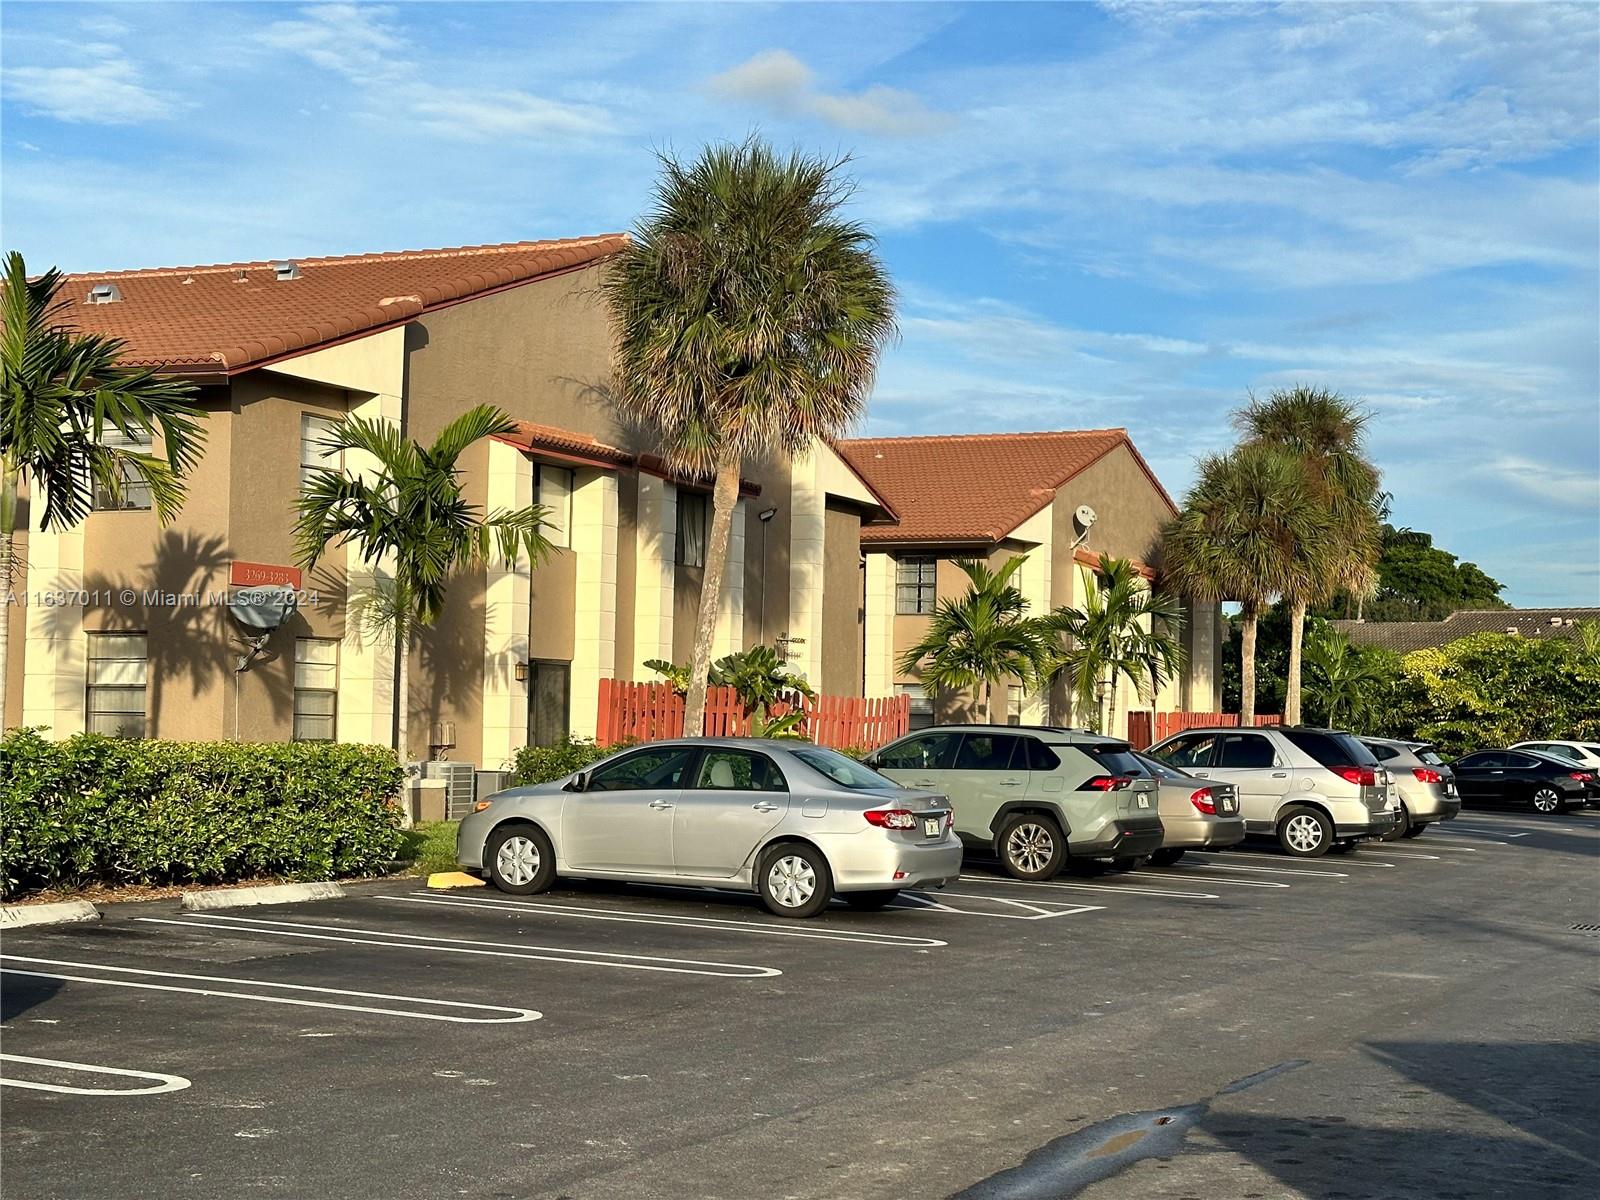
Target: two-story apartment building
(1061,499)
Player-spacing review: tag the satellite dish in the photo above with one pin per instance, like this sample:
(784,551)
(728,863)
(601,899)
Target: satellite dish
(261,610)
(1084,517)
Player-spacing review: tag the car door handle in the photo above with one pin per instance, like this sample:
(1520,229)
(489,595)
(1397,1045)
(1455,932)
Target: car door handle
(764,806)
(1010,783)
(1280,774)
(922,783)
(1202,774)
(659,805)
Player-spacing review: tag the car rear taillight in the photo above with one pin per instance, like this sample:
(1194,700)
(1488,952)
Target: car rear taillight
(891,818)
(1360,776)
(1204,802)
(1427,775)
(950,818)
(1582,776)
(1105,783)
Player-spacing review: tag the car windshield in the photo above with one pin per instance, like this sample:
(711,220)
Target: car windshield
(846,772)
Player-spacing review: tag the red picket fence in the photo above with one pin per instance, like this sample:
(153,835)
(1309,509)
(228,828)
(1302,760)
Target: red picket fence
(642,712)
(1169,723)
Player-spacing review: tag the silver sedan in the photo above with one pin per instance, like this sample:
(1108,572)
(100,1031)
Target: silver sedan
(794,822)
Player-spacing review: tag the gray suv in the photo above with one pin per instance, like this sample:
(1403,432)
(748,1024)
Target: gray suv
(1426,784)
(1315,790)
(1035,795)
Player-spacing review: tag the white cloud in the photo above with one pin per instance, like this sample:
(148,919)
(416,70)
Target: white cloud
(1578,490)
(359,42)
(107,92)
(483,115)
(781,83)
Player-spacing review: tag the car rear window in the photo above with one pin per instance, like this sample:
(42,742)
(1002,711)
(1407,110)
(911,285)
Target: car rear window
(1332,749)
(1116,757)
(1383,753)
(846,772)
(1040,756)
(1429,755)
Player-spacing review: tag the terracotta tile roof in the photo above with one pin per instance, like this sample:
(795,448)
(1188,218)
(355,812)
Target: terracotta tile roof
(1093,558)
(1406,636)
(219,320)
(583,449)
(974,488)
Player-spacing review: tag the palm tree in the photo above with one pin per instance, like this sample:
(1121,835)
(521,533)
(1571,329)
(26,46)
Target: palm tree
(749,317)
(983,637)
(1341,680)
(62,393)
(1250,531)
(411,522)
(1123,631)
(1326,434)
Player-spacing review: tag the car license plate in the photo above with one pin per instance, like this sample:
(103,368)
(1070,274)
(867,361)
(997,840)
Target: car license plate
(931,825)
(1144,800)
(1227,805)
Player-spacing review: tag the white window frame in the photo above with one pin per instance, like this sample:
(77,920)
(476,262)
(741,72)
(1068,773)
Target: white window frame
(553,491)
(923,704)
(135,493)
(315,679)
(690,503)
(313,427)
(121,679)
(920,573)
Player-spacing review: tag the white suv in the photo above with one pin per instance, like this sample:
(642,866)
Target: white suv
(1315,790)
(1585,754)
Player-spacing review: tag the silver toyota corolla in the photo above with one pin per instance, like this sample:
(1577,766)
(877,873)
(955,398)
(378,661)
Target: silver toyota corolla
(795,822)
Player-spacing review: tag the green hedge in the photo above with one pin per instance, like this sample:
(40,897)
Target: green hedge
(541,764)
(101,810)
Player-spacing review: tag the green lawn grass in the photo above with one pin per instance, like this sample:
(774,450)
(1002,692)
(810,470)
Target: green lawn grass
(430,847)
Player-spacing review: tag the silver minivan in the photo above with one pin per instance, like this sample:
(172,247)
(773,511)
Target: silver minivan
(1314,790)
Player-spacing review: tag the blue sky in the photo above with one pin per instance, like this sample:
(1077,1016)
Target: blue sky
(1096,215)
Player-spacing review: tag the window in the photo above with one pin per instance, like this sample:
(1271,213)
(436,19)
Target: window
(1382,752)
(554,492)
(921,703)
(1040,756)
(549,690)
(845,772)
(313,457)
(1246,751)
(1115,758)
(1191,751)
(316,688)
(914,584)
(119,665)
(1562,751)
(1521,762)
(657,767)
(1014,704)
(1332,749)
(1489,760)
(985,752)
(691,529)
(739,771)
(929,752)
(133,493)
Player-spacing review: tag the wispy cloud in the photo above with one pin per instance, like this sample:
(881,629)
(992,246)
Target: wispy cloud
(359,41)
(1578,490)
(779,82)
(108,91)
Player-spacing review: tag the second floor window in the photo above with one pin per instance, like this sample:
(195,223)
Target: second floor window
(313,458)
(691,529)
(133,493)
(914,585)
(316,688)
(554,492)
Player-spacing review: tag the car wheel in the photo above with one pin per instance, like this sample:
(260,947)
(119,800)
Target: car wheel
(1031,846)
(1165,858)
(1413,831)
(1305,833)
(1401,827)
(520,860)
(1547,800)
(795,880)
(871,900)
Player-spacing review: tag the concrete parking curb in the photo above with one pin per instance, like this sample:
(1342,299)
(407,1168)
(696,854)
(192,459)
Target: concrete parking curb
(276,893)
(17,916)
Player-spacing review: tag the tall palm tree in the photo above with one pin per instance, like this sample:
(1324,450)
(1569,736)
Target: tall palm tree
(749,315)
(410,522)
(983,637)
(1326,433)
(1123,631)
(1250,531)
(62,393)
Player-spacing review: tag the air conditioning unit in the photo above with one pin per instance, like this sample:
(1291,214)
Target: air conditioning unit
(459,786)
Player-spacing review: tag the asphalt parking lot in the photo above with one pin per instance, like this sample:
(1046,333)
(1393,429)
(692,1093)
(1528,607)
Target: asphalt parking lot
(1415,1019)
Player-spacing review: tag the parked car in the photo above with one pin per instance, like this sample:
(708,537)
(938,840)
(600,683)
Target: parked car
(1195,814)
(1426,784)
(1315,790)
(1035,795)
(793,822)
(1548,785)
(1585,754)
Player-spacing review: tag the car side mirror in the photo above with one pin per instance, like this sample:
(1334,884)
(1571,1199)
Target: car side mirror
(578,783)
(871,760)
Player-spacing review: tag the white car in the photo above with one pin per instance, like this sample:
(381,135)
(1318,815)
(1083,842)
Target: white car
(1585,754)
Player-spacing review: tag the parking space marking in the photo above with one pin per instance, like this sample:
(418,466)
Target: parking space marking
(516,1014)
(710,924)
(417,941)
(1473,832)
(1371,850)
(1255,883)
(1161,893)
(163,1082)
(1037,912)
(1433,844)
(1216,866)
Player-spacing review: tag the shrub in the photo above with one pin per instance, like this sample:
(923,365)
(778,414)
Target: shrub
(541,764)
(92,809)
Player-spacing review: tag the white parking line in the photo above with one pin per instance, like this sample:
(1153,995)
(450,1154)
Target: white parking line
(710,924)
(516,1014)
(163,1083)
(1433,844)
(1255,883)
(1478,835)
(1370,852)
(1216,866)
(1094,887)
(1037,912)
(416,941)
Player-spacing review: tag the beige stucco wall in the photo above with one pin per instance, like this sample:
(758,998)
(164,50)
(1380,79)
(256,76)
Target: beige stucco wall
(841,603)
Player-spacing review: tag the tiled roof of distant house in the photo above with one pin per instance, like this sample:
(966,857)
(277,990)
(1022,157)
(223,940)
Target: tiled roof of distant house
(1406,636)
(219,320)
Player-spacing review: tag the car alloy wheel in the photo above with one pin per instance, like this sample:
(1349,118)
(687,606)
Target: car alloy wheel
(791,882)
(1547,800)
(1030,847)
(1305,833)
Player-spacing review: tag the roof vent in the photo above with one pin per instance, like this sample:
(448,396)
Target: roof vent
(1511,628)
(1557,621)
(103,293)
(286,270)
